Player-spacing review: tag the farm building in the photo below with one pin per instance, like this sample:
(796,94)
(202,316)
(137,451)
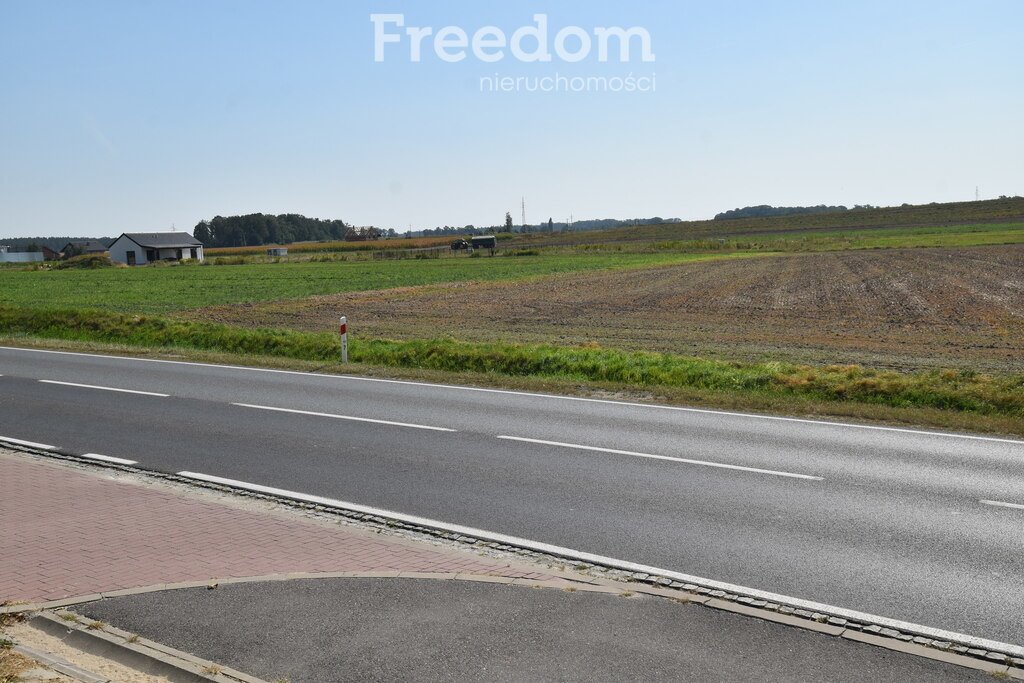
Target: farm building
(8,256)
(78,247)
(51,254)
(138,248)
(277,251)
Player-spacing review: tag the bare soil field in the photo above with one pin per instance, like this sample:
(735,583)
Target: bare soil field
(906,309)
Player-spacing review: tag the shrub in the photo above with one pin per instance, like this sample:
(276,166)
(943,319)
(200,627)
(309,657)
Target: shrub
(88,261)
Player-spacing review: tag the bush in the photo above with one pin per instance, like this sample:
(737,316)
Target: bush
(88,261)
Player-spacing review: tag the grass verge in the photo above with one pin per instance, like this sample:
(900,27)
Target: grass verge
(988,401)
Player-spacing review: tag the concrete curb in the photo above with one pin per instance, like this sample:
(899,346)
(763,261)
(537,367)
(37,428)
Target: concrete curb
(965,650)
(563,582)
(59,665)
(134,652)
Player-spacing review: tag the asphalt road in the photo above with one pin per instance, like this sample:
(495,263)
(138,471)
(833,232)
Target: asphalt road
(890,522)
(324,630)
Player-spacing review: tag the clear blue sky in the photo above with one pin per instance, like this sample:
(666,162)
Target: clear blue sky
(135,115)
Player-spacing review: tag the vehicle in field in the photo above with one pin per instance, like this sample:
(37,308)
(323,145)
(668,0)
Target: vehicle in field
(484,242)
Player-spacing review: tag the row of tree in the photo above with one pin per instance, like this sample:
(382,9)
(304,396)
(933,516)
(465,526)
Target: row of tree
(31,244)
(256,228)
(549,225)
(763,210)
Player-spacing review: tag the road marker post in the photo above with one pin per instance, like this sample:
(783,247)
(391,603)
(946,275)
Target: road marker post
(343,331)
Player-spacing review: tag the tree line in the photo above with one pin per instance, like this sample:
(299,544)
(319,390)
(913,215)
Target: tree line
(32,244)
(763,210)
(550,225)
(256,228)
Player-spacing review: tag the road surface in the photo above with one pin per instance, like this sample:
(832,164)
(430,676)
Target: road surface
(907,524)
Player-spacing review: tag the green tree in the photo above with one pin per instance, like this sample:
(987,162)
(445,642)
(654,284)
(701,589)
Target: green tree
(508,222)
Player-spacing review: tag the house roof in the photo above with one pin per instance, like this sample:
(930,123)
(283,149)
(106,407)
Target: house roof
(162,240)
(86,245)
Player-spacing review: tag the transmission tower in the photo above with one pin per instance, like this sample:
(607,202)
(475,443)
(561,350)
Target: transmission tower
(523,206)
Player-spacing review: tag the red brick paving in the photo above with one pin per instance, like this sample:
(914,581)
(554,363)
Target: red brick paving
(66,533)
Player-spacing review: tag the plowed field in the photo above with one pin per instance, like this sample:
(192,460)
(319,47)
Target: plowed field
(908,309)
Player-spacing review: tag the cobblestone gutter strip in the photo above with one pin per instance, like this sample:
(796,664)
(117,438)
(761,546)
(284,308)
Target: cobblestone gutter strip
(958,648)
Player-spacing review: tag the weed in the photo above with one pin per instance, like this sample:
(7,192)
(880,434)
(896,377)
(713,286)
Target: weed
(96,625)
(212,669)
(12,664)
(966,392)
(133,638)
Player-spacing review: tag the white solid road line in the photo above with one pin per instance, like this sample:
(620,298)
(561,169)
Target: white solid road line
(999,504)
(345,417)
(547,548)
(687,461)
(30,444)
(108,458)
(93,386)
(653,406)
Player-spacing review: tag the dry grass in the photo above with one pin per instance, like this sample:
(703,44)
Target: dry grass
(11,663)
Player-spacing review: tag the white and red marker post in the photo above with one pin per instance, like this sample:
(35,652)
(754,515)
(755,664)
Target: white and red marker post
(343,331)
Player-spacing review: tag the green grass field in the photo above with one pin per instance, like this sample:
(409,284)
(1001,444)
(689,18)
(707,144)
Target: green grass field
(161,290)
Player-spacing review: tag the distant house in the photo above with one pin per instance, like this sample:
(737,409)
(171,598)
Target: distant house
(138,248)
(79,247)
(51,254)
(277,251)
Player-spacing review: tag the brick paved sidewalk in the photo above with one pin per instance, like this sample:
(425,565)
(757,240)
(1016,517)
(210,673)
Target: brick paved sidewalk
(65,532)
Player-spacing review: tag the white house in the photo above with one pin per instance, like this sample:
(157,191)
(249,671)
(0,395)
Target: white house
(138,248)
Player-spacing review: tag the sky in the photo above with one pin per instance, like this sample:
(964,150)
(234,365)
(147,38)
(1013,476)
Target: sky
(142,115)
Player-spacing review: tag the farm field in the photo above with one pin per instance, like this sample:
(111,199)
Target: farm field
(844,240)
(882,220)
(913,322)
(165,289)
(998,221)
(905,309)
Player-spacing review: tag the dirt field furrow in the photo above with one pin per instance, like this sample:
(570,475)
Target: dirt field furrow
(909,309)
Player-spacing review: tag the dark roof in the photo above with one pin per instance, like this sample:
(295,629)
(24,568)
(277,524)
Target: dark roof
(87,246)
(162,240)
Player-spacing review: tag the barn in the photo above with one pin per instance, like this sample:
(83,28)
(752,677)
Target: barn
(139,248)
